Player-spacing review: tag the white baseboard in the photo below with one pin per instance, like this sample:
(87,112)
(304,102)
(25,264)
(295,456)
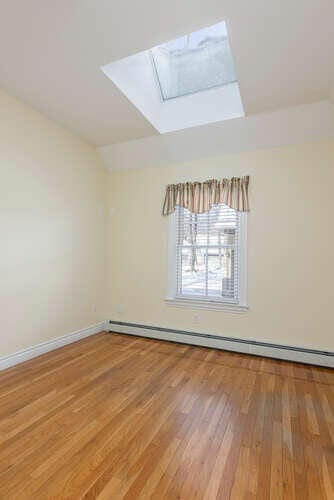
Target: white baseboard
(289,353)
(50,345)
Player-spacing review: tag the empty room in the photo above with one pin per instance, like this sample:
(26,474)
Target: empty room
(166,256)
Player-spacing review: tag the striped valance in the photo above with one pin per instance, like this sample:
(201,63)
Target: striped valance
(198,197)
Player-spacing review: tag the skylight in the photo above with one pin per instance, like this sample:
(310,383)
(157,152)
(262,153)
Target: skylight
(186,82)
(194,62)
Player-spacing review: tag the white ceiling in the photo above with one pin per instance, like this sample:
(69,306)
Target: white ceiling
(51,53)
(283,127)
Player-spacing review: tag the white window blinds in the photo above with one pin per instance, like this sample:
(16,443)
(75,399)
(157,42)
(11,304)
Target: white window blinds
(207,254)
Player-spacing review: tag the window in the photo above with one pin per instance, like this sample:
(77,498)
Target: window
(207,258)
(194,62)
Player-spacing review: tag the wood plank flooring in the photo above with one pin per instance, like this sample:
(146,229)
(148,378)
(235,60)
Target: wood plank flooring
(122,417)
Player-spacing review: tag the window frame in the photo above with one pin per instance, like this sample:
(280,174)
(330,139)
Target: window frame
(197,302)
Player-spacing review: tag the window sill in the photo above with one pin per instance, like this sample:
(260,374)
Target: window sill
(212,305)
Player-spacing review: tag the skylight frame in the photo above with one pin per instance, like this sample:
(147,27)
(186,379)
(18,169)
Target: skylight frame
(135,77)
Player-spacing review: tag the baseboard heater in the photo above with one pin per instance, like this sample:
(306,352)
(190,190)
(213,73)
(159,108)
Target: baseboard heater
(278,351)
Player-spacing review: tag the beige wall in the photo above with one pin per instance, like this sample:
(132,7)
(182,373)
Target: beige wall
(290,246)
(54,234)
(52,229)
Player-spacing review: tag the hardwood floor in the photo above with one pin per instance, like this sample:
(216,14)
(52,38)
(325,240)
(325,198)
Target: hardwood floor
(115,417)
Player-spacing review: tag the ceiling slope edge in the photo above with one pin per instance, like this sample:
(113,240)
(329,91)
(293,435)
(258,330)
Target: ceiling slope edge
(296,125)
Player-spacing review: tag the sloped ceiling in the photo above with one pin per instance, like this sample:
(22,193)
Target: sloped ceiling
(51,53)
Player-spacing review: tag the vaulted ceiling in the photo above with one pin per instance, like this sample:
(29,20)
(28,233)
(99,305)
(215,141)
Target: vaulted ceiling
(51,53)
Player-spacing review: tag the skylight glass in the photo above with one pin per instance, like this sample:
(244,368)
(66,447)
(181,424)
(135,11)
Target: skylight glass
(195,62)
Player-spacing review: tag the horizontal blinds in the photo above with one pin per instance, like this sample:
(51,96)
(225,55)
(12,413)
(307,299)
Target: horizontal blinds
(207,253)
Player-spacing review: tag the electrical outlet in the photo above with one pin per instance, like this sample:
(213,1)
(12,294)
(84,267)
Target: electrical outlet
(119,309)
(196,318)
(94,308)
